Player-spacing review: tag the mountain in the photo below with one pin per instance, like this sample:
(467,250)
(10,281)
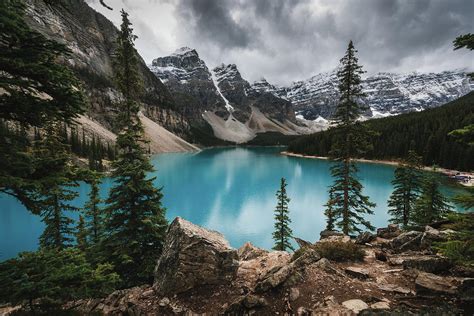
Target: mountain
(223,99)
(386,93)
(91,38)
(426,132)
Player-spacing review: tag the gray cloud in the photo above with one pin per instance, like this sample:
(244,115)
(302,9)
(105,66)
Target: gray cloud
(285,40)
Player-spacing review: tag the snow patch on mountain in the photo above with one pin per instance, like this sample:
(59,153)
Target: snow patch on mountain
(229,107)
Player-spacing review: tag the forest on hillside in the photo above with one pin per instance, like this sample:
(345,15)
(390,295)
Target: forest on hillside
(425,132)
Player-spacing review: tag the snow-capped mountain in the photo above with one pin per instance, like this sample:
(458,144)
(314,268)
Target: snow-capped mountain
(234,109)
(386,93)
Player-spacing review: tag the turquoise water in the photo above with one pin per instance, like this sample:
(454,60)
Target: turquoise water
(231,190)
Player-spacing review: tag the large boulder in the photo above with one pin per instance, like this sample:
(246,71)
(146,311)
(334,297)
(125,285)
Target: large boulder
(427,263)
(249,252)
(365,238)
(407,241)
(430,285)
(289,274)
(193,256)
(388,232)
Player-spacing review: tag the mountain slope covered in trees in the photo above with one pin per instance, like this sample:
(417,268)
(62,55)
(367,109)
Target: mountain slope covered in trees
(425,132)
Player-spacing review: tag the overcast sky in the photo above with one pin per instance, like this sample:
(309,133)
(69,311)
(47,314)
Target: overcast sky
(289,40)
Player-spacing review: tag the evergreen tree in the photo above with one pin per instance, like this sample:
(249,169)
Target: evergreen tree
(350,205)
(38,90)
(432,205)
(136,223)
(329,212)
(93,212)
(49,278)
(283,232)
(58,192)
(406,185)
(81,234)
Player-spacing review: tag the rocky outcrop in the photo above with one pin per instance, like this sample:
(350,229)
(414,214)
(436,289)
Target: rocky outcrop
(431,285)
(390,231)
(193,256)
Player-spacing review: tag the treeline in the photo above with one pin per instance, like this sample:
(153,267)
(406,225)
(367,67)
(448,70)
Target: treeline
(425,132)
(89,147)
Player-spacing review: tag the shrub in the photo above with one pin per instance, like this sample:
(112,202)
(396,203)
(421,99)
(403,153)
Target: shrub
(340,251)
(47,278)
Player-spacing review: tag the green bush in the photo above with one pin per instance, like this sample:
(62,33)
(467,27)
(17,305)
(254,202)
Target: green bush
(340,251)
(48,278)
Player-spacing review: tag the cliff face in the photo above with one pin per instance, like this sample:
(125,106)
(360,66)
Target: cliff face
(91,38)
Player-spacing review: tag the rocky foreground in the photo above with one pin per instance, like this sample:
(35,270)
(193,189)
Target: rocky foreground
(200,274)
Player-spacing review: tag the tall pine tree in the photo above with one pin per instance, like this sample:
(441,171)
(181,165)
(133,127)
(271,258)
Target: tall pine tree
(350,205)
(406,191)
(283,232)
(37,90)
(136,222)
(58,192)
(93,212)
(329,212)
(432,205)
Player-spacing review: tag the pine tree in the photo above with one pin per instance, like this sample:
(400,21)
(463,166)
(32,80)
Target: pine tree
(406,185)
(283,232)
(29,71)
(81,234)
(93,212)
(136,223)
(432,205)
(350,205)
(57,195)
(329,212)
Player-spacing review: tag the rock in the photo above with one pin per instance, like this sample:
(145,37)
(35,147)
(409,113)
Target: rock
(394,288)
(244,304)
(164,302)
(339,238)
(390,231)
(466,289)
(431,235)
(427,263)
(380,305)
(327,233)
(356,272)
(355,305)
(252,301)
(303,311)
(249,252)
(309,256)
(193,256)
(302,243)
(289,274)
(380,255)
(294,294)
(407,241)
(365,238)
(430,285)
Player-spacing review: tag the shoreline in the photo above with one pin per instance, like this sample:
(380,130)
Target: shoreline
(444,171)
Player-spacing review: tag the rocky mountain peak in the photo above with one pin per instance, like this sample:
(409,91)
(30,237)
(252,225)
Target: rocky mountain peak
(185,52)
(262,85)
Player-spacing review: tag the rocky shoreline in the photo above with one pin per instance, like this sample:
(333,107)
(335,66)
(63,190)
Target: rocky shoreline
(198,273)
(444,171)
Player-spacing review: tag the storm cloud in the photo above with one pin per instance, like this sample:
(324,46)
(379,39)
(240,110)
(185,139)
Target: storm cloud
(286,40)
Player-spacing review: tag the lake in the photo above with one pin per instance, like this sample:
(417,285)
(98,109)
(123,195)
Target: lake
(231,190)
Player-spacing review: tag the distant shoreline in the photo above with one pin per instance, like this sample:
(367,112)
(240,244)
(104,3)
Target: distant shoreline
(444,171)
